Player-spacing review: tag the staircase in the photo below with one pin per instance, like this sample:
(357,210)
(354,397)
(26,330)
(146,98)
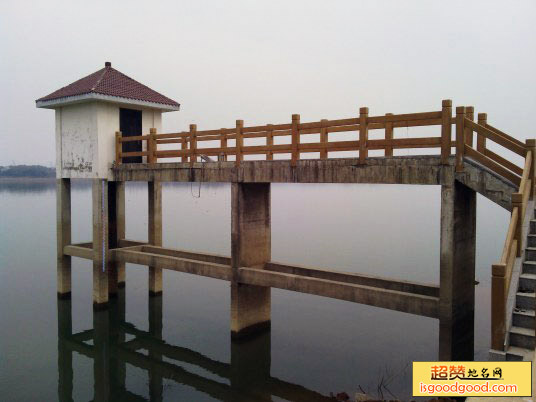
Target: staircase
(522,333)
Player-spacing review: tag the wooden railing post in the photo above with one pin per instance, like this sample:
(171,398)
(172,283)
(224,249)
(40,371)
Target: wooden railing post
(389,136)
(363,134)
(446,130)
(324,139)
(223,143)
(193,144)
(118,148)
(152,141)
(480,139)
(517,202)
(239,142)
(295,133)
(531,146)
(184,147)
(270,142)
(498,306)
(460,116)
(149,150)
(469,114)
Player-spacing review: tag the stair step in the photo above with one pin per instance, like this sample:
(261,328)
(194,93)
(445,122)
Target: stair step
(530,254)
(531,240)
(522,337)
(527,281)
(515,353)
(524,318)
(529,267)
(526,300)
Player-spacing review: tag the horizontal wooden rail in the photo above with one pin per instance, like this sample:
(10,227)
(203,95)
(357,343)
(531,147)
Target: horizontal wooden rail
(508,143)
(492,165)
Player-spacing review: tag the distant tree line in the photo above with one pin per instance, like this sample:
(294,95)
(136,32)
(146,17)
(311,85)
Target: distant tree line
(27,171)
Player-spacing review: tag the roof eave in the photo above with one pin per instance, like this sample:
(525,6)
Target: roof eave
(69,100)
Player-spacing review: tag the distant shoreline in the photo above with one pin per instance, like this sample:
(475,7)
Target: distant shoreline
(27,172)
(26,178)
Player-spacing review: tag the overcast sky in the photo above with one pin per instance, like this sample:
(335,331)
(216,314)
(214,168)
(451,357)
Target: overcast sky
(263,61)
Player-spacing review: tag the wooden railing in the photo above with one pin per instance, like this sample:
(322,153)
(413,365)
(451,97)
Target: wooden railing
(521,177)
(188,151)
(513,247)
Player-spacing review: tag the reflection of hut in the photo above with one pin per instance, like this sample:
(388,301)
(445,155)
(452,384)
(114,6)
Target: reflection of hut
(89,112)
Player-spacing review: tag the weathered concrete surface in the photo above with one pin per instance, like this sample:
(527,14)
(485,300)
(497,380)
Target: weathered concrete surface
(389,170)
(155,233)
(100,243)
(419,170)
(487,183)
(63,235)
(457,272)
(250,246)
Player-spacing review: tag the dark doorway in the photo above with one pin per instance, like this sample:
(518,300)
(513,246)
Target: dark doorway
(130,125)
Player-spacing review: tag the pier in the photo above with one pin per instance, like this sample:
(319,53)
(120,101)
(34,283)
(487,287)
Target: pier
(249,268)
(108,130)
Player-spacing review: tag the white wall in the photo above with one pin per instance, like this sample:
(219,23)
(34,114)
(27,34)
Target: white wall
(85,138)
(76,141)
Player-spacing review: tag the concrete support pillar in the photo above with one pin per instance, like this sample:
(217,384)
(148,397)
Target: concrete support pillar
(116,231)
(156,386)
(155,233)
(65,354)
(250,246)
(100,243)
(457,272)
(63,228)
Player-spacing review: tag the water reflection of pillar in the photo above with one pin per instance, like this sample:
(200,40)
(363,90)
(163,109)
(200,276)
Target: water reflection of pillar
(250,367)
(117,337)
(65,354)
(155,329)
(101,356)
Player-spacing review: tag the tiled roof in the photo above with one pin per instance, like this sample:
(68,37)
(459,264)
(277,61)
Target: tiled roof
(109,81)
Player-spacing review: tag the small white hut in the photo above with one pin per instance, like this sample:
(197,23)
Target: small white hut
(89,112)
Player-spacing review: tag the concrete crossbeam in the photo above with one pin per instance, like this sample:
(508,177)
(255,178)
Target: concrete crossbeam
(390,299)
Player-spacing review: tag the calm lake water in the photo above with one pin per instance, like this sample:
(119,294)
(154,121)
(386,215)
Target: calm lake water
(316,345)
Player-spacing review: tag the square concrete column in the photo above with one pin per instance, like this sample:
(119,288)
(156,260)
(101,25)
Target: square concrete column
(457,272)
(250,246)
(63,234)
(116,224)
(100,243)
(155,233)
